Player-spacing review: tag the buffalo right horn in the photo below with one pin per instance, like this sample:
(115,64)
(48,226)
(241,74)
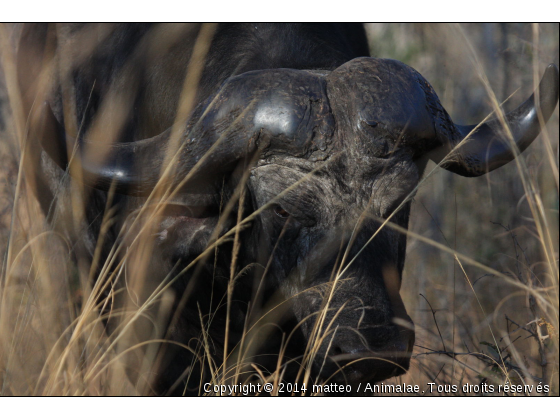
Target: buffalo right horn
(244,115)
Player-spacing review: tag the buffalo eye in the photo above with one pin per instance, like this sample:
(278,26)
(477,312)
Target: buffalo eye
(369,123)
(280,212)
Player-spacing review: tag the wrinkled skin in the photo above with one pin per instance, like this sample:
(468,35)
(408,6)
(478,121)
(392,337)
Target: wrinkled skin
(315,237)
(323,205)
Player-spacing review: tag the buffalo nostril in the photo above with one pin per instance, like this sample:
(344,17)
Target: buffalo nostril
(336,351)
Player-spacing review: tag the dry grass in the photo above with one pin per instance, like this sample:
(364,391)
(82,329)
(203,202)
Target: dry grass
(480,281)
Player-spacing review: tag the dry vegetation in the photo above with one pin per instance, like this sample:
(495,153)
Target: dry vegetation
(481,275)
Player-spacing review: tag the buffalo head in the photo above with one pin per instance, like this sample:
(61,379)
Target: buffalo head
(315,163)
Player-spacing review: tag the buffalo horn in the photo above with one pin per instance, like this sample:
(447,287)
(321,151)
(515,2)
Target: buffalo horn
(218,136)
(475,151)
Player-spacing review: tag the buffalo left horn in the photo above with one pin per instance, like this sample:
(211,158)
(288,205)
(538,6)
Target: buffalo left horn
(471,151)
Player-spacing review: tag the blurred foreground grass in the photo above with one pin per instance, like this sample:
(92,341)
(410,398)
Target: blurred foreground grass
(471,327)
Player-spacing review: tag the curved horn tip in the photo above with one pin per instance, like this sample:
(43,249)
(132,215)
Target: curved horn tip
(548,91)
(550,79)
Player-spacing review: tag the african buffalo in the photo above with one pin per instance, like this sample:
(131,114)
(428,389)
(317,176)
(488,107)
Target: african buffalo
(260,164)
